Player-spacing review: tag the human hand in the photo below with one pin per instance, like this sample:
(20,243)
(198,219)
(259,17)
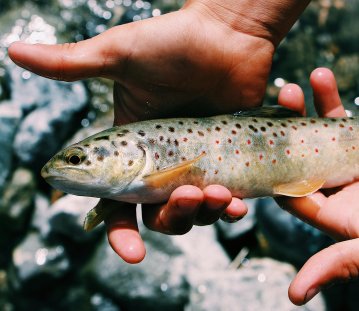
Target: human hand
(334,211)
(184,63)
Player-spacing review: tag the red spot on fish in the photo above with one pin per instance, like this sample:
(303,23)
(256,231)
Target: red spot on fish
(157,156)
(249,142)
(341,125)
(217,142)
(275,135)
(302,155)
(185,139)
(247,164)
(316,131)
(282,133)
(274,161)
(261,157)
(294,127)
(219,158)
(234,132)
(333,138)
(316,150)
(353,148)
(325,125)
(216,172)
(271,142)
(229,140)
(350,128)
(287,151)
(237,151)
(302,141)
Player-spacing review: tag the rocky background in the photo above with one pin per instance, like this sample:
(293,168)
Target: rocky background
(47,262)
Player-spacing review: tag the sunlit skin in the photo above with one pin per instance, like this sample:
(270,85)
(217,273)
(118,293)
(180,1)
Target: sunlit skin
(161,68)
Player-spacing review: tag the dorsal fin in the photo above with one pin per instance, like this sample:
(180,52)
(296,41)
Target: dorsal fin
(268,112)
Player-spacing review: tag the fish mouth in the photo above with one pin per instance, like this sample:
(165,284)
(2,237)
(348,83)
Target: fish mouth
(54,173)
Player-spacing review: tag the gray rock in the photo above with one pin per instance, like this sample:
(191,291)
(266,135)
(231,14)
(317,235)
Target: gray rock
(37,265)
(16,201)
(230,231)
(162,277)
(50,109)
(9,119)
(260,285)
(288,237)
(64,218)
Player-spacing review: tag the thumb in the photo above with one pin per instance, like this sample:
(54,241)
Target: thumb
(74,61)
(337,262)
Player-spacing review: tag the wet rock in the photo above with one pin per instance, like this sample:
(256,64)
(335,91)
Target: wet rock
(229,231)
(51,109)
(262,284)
(161,277)
(288,237)
(9,119)
(66,217)
(17,200)
(101,303)
(37,265)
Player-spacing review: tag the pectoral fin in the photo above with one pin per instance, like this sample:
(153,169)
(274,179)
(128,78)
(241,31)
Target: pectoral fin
(299,189)
(168,175)
(95,216)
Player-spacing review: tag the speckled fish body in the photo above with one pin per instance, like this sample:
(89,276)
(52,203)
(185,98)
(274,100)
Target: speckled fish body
(252,156)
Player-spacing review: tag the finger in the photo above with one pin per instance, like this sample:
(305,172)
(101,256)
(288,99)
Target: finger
(177,216)
(326,97)
(337,262)
(292,97)
(336,215)
(235,211)
(123,234)
(74,61)
(216,199)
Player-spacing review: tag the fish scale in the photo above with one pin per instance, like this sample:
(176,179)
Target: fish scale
(258,156)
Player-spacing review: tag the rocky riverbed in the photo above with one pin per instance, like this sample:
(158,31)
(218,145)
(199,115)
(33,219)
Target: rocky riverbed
(47,262)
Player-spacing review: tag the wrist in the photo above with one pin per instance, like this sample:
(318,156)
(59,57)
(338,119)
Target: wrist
(267,19)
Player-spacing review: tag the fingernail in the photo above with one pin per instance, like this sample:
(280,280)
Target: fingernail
(311,293)
(230,219)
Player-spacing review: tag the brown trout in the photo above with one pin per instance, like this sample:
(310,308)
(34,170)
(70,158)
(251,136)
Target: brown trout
(253,156)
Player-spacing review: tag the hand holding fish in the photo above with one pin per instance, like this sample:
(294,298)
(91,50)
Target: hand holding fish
(188,62)
(334,212)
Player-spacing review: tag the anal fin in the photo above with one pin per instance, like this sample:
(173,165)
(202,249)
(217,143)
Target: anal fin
(299,189)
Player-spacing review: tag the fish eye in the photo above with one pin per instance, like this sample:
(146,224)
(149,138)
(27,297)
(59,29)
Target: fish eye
(75,157)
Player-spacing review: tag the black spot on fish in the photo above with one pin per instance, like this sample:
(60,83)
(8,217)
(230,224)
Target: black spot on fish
(200,133)
(263,129)
(180,122)
(124,143)
(130,163)
(170,153)
(158,126)
(176,142)
(88,162)
(253,128)
(171,129)
(217,128)
(341,125)
(303,123)
(101,151)
(312,121)
(100,158)
(169,141)
(161,138)
(195,122)
(270,124)
(344,120)
(113,144)
(116,153)
(224,122)
(106,137)
(290,121)
(87,145)
(238,126)
(255,120)
(275,135)
(121,134)
(151,141)
(189,131)
(141,133)
(234,132)
(283,124)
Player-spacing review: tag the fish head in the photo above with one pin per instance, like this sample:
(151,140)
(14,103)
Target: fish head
(95,168)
